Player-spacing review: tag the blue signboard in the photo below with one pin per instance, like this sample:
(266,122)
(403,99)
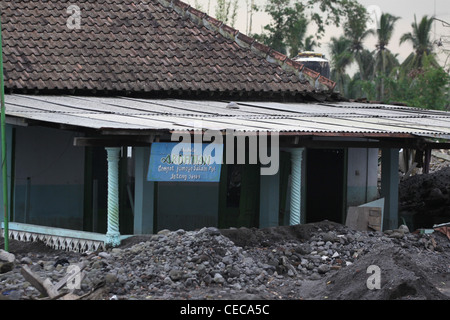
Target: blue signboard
(182,162)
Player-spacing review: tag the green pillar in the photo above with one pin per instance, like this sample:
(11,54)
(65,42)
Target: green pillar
(389,187)
(296,186)
(269,202)
(112,234)
(144,194)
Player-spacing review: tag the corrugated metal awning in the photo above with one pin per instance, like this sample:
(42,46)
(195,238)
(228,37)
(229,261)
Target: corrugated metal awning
(131,114)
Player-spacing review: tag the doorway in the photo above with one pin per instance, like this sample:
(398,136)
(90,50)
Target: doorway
(325,185)
(239,196)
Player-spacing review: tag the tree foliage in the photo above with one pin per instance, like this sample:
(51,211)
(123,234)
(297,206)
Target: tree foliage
(341,59)
(420,38)
(290,19)
(226,11)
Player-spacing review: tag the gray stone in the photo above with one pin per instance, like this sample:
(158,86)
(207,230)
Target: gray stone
(315,276)
(404,228)
(207,279)
(6,267)
(104,255)
(227,260)
(175,275)
(6,256)
(323,268)
(111,278)
(218,278)
(329,236)
(163,232)
(26,260)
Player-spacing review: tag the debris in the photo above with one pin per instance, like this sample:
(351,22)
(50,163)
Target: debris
(364,218)
(70,276)
(288,262)
(444,228)
(47,288)
(7,256)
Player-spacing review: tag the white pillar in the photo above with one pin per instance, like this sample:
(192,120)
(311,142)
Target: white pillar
(296,186)
(112,234)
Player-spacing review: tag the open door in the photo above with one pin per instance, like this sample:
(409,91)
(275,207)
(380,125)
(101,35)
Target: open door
(239,196)
(325,185)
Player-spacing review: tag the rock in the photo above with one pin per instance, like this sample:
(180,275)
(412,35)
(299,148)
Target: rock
(397,234)
(163,232)
(303,249)
(175,275)
(329,236)
(227,260)
(323,268)
(315,276)
(403,228)
(6,256)
(207,279)
(26,260)
(6,267)
(62,261)
(211,231)
(104,255)
(116,251)
(111,278)
(218,278)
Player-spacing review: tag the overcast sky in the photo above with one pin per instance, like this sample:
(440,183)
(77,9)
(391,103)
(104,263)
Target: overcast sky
(405,9)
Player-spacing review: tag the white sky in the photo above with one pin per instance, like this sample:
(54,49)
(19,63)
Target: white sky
(405,9)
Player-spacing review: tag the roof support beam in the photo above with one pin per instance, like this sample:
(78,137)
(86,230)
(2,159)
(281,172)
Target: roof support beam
(413,143)
(389,187)
(113,141)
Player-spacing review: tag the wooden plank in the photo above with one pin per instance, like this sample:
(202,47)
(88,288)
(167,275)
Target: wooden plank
(364,218)
(45,287)
(70,276)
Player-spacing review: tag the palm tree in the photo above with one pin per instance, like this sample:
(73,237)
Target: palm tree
(384,60)
(309,44)
(420,38)
(341,58)
(355,29)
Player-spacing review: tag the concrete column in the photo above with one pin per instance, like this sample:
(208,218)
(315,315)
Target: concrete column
(389,187)
(112,234)
(269,202)
(296,186)
(144,192)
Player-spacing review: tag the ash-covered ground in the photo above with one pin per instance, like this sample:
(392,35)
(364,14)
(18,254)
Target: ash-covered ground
(317,261)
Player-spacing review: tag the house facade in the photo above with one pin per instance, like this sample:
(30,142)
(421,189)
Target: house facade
(94,91)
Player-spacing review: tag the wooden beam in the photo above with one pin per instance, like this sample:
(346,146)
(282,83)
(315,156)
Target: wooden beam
(113,141)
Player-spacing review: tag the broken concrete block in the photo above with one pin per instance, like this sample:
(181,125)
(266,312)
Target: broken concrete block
(7,256)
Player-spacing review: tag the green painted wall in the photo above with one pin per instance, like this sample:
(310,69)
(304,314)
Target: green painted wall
(48,178)
(188,206)
(362,176)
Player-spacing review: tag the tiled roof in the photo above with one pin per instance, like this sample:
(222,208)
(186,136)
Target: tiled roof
(152,47)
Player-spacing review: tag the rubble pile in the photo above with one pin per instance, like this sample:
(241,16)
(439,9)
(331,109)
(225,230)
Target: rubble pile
(424,199)
(322,260)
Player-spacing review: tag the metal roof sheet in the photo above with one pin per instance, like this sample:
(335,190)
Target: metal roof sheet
(172,114)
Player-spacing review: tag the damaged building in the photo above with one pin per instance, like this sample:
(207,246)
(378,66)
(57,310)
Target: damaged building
(93,107)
